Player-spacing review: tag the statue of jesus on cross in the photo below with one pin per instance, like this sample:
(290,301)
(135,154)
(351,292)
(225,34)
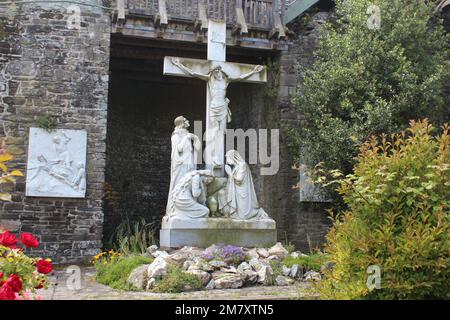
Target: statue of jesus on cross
(219,112)
(218,74)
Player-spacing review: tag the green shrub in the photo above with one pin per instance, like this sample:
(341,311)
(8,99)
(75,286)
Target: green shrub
(176,281)
(368,81)
(46,122)
(398,203)
(115,272)
(276,268)
(311,262)
(134,237)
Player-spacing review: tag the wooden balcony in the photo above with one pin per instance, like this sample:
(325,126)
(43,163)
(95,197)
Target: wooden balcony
(251,23)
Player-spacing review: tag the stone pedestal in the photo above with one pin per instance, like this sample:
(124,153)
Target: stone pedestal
(177,232)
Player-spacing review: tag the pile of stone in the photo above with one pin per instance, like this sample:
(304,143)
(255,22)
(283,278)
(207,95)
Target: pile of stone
(253,269)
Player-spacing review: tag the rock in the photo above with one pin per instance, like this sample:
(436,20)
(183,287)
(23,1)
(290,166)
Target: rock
(249,277)
(229,269)
(150,284)
(252,254)
(138,277)
(312,276)
(273,258)
(187,264)
(265,275)
(159,253)
(200,264)
(244,266)
(283,281)
(178,257)
(297,254)
(217,264)
(158,268)
(327,267)
(285,271)
(279,251)
(263,253)
(296,271)
(223,280)
(211,284)
(152,249)
(257,264)
(204,276)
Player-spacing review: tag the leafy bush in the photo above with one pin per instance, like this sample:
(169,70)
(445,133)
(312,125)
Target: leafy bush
(6,178)
(46,122)
(113,269)
(367,81)
(310,262)
(177,280)
(134,237)
(398,202)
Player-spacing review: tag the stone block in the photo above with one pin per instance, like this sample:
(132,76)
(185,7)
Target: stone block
(205,232)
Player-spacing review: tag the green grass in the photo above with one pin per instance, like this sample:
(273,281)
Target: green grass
(176,280)
(115,274)
(312,262)
(277,268)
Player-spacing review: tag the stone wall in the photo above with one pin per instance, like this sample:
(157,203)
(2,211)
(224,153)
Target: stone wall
(48,69)
(303,223)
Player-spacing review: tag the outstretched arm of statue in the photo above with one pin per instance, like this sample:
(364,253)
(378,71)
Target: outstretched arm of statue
(177,62)
(247,75)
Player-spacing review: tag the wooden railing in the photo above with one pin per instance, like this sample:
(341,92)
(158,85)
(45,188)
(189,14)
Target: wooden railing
(260,14)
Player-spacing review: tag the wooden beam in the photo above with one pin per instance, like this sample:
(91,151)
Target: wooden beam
(240,26)
(120,10)
(201,22)
(278,28)
(161,19)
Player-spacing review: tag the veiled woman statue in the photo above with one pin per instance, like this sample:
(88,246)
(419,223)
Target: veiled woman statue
(239,200)
(189,195)
(183,155)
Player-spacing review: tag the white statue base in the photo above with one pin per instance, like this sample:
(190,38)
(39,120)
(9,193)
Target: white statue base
(177,232)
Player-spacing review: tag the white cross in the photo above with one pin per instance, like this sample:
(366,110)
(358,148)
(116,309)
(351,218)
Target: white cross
(218,74)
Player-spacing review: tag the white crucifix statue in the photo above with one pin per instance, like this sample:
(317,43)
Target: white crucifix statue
(218,74)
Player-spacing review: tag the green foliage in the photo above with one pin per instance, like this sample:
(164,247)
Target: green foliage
(46,122)
(273,74)
(366,81)
(310,262)
(290,247)
(7,177)
(134,237)
(114,272)
(177,280)
(276,268)
(398,203)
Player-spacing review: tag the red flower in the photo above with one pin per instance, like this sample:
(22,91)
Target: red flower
(29,240)
(14,282)
(6,293)
(44,267)
(8,239)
